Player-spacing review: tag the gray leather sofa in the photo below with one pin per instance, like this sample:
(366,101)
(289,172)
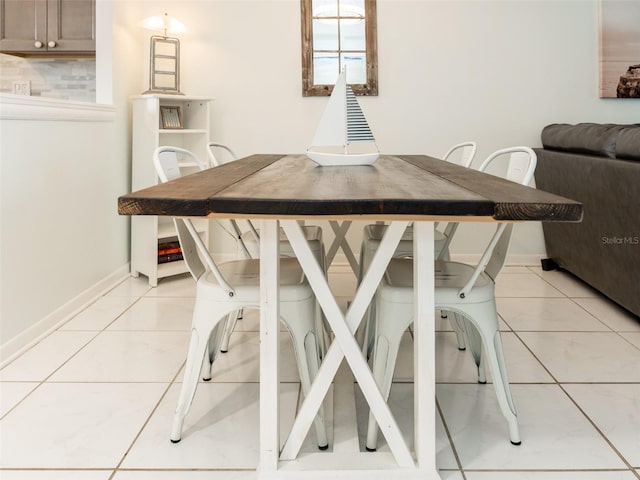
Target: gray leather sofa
(598,165)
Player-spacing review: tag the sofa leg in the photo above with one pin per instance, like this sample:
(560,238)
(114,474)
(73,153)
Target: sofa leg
(548,264)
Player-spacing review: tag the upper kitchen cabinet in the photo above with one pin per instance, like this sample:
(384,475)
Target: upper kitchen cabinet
(48,27)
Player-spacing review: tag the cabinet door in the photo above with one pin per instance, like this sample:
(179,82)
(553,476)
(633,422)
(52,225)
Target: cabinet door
(71,26)
(47,27)
(23,23)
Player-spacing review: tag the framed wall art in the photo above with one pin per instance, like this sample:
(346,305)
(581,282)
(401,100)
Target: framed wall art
(171,117)
(619,48)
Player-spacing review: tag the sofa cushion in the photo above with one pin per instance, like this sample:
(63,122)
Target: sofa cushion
(589,138)
(628,144)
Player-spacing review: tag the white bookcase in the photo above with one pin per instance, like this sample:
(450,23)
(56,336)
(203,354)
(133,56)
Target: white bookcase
(147,232)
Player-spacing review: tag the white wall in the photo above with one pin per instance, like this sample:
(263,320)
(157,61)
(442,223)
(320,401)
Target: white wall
(62,239)
(491,71)
(58,221)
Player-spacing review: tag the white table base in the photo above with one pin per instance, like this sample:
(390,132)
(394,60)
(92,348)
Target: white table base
(347,463)
(340,242)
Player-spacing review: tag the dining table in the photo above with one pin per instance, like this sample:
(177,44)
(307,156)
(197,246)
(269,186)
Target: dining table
(280,190)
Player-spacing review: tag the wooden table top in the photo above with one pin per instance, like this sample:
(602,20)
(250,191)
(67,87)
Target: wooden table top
(396,186)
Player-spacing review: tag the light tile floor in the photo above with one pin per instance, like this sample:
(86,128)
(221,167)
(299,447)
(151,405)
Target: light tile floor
(94,400)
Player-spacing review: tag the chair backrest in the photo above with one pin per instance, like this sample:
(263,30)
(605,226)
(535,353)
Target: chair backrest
(169,160)
(461,154)
(189,249)
(493,257)
(521,166)
(194,251)
(219,153)
(499,254)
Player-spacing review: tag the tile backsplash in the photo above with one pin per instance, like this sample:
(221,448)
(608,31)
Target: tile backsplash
(67,78)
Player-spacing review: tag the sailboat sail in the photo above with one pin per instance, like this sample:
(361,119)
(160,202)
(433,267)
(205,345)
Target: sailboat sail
(343,136)
(357,127)
(332,126)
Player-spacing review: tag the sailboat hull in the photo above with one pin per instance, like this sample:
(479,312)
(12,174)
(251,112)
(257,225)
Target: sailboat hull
(326,159)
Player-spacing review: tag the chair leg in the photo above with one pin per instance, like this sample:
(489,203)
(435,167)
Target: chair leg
(441,252)
(475,347)
(367,338)
(204,323)
(305,345)
(458,327)
(322,331)
(311,352)
(389,328)
(322,325)
(197,349)
(485,320)
(385,354)
(216,338)
(230,326)
(495,357)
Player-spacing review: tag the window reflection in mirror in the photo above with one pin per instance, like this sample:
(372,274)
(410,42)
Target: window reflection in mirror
(338,33)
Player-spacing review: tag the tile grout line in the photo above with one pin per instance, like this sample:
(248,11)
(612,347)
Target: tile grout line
(58,329)
(599,296)
(602,434)
(148,419)
(450,438)
(592,422)
(549,470)
(174,381)
(560,385)
(62,323)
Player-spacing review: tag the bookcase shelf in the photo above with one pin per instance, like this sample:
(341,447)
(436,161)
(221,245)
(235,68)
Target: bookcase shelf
(148,231)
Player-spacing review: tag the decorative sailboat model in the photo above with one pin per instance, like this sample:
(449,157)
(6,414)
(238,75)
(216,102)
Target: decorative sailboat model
(343,136)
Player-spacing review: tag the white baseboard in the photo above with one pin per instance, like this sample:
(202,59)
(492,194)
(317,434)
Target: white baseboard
(24,340)
(529,260)
(514,260)
(338,266)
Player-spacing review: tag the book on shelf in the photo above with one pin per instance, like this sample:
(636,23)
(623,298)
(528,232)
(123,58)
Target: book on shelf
(168,248)
(169,257)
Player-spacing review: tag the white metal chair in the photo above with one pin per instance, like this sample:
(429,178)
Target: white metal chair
(460,154)
(219,154)
(249,241)
(466,290)
(229,287)
(181,158)
(185,158)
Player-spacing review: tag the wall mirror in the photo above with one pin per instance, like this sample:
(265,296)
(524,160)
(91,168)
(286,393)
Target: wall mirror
(337,33)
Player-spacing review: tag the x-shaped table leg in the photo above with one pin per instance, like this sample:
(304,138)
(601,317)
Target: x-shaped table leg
(344,344)
(340,242)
